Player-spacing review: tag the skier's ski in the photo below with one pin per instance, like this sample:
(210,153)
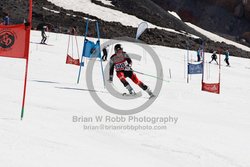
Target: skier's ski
(152,96)
(135,95)
(41,43)
(127,94)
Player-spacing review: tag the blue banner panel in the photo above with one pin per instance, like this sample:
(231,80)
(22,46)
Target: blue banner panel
(88,48)
(96,50)
(91,50)
(195,68)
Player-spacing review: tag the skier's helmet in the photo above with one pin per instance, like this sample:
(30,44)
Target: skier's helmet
(118,47)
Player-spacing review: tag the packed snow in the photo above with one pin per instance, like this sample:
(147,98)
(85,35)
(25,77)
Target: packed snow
(60,126)
(209,129)
(106,2)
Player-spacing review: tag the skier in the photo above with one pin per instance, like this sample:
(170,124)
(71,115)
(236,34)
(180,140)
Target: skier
(214,57)
(44,36)
(227,57)
(122,64)
(6,19)
(105,53)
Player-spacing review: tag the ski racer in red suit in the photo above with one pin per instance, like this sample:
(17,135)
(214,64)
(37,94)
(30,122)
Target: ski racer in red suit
(121,62)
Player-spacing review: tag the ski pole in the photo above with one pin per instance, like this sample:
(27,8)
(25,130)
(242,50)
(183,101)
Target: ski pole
(150,75)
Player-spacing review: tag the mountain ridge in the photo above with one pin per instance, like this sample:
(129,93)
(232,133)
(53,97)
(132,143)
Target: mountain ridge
(62,21)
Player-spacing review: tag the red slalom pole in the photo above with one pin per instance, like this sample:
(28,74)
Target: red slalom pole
(27,57)
(25,87)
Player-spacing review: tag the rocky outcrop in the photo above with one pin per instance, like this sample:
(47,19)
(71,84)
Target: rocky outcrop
(227,4)
(246,36)
(239,10)
(247,10)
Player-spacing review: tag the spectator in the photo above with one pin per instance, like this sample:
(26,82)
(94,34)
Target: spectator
(105,53)
(227,57)
(6,19)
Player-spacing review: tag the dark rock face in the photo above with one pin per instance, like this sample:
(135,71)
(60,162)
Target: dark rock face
(226,17)
(63,19)
(239,11)
(247,9)
(148,10)
(246,36)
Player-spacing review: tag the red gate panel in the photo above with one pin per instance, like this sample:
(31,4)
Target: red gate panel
(14,41)
(211,87)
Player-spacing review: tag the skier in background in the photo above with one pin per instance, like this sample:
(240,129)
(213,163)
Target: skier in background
(199,54)
(44,36)
(214,57)
(121,62)
(227,57)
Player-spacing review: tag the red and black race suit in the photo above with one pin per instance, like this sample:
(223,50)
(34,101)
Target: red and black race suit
(119,62)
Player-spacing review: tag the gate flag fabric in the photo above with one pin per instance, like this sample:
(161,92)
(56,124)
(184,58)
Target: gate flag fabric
(70,60)
(211,87)
(91,49)
(70,56)
(195,68)
(13,41)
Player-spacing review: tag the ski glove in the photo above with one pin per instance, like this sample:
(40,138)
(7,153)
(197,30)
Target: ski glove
(128,67)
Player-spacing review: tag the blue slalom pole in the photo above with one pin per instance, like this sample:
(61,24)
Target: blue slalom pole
(85,36)
(98,34)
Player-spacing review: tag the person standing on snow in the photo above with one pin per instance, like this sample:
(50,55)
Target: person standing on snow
(199,54)
(44,36)
(121,62)
(227,57)
(6,19)
(214,57)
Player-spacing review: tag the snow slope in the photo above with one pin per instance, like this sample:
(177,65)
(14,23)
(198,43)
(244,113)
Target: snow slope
(212,130)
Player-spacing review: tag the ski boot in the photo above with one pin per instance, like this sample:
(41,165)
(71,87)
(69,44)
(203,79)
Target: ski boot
(150,93)
(130,90)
